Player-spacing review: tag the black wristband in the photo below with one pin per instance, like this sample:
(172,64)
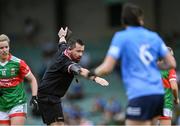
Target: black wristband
(94,78)
(90,74)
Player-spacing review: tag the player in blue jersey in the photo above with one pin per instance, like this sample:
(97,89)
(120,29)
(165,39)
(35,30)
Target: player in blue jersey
(138,49)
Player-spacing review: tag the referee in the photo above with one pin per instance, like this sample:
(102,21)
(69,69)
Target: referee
(59,76)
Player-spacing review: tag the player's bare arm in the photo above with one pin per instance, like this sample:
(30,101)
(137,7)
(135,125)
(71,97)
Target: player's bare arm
(106,67)
(175,91)
(33,83)
(168,62)
(34,88)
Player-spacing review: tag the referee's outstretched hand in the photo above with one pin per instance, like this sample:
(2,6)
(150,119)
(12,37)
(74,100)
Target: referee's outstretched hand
(34,102)
(101,81)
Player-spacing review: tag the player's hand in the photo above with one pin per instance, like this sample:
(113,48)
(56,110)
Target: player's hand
(176,101)
(62,32)
(34,102)
(101,81)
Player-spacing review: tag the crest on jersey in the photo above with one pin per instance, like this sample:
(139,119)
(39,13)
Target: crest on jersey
(12,71)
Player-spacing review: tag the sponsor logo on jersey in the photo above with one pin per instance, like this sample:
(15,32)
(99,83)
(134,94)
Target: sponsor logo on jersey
(9,82)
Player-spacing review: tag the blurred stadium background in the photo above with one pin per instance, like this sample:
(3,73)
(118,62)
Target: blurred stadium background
(32,26)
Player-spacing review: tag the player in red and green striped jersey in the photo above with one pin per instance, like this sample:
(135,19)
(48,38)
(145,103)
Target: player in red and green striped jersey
(13,71)
(171,94)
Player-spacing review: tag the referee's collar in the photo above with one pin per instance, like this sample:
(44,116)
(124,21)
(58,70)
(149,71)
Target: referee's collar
(66,54)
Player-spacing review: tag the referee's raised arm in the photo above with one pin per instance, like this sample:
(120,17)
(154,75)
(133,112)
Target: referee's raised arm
(62,34)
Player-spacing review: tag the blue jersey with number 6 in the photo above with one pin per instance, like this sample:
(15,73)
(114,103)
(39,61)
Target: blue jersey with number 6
(138,49)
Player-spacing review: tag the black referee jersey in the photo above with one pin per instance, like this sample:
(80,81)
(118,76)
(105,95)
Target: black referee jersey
(57,79)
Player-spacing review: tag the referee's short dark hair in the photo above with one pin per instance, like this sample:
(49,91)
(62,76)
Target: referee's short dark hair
(72,43)
(131,14)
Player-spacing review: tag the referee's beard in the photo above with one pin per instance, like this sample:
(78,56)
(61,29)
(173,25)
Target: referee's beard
(77,59)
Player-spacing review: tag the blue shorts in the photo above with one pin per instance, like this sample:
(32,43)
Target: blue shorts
(145,107)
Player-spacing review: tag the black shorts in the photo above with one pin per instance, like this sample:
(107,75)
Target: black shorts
(145,108)
(51,112)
